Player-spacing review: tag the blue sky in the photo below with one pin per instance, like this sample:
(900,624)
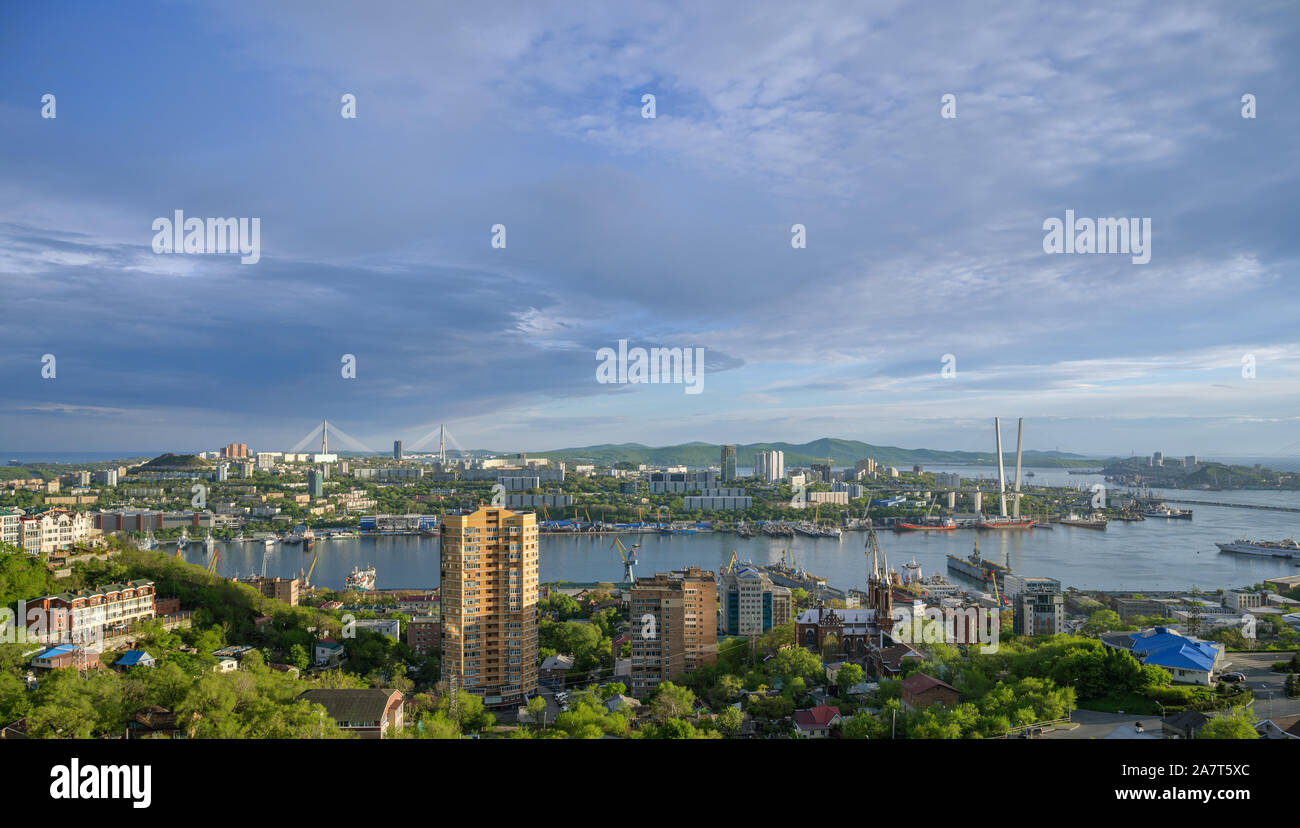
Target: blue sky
(924,234)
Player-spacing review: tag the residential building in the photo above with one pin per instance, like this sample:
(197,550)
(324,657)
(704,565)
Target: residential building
(328,653)
(423,634)
(315,483)
(11,529)
(390,627)
(397,449)
(728,464)
(750,604)
(89,614)
(1184,725)
(369,713)
(920,691)
(675,629)
(770,465)
(1188,660)
(55,530)
(489,603)
(839,498)
(235,451)
(716,504)
(281,589)
(817,722)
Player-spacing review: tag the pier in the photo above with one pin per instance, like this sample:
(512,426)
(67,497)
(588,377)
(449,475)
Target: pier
(1234,505)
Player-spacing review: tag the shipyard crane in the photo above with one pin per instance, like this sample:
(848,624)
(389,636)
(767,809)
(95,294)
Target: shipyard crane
(731,564)
(306,581)
(214,562)
(629,558)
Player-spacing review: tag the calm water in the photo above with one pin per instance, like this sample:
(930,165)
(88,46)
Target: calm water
(1151,555)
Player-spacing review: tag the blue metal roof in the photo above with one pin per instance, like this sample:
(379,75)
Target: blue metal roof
(1169,649)
(59,650)
(133,657)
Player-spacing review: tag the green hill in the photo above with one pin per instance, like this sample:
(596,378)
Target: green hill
(172,462)
(840,452)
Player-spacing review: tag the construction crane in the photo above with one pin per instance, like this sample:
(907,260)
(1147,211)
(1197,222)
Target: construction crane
(214,563)
(629,558)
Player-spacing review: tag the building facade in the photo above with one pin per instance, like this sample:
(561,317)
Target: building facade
(489,604)
(674,626)
(89,615)
(750,604)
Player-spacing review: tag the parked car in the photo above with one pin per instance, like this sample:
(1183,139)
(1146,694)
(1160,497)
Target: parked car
(1233,677)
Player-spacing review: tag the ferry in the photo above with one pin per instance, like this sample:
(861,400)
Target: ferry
(363,579)
(1286,548)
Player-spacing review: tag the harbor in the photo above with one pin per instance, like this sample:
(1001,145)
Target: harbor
(1151,554)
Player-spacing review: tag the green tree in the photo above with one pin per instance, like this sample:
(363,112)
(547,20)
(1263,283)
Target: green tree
(849,675)
(671,702)
(1234,724)
(730,720)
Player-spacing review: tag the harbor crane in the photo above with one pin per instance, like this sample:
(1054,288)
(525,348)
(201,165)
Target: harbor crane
(306,579)
(214,562)
(731,564)
(629,558)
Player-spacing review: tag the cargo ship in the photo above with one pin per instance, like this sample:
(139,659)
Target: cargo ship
(977,568)
(946,526)
(1004,523)
(1286,548)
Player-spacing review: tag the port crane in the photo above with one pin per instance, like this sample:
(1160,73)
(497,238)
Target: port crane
(731,564)
(629,558)
(306,579)
(214,562)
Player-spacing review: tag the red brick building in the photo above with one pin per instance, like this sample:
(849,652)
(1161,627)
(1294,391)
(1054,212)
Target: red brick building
(921,691)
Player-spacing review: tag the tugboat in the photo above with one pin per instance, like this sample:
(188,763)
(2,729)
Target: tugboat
(362,579)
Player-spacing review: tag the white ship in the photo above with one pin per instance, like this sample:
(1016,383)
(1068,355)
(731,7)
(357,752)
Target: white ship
(1287,548)
(360,579)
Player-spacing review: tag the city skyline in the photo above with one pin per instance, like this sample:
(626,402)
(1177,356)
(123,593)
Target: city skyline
(924,234)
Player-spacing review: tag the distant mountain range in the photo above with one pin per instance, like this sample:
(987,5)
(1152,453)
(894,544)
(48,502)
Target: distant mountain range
(839,452)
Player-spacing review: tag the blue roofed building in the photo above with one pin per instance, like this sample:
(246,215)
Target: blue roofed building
(1188,660)
(134,658)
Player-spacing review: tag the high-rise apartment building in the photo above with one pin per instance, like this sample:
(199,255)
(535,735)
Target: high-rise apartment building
(674,626)
(315,483)
(770,465)
(489,604)
(397,449)
(728,463)
(235,451)
(751,604)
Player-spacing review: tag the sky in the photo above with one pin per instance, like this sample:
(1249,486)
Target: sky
(924,234)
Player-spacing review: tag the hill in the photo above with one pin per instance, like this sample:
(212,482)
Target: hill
(840,453)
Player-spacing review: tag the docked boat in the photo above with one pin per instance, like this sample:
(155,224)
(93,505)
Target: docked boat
(807,530)
(1084,523)
(270,542)
(1004,523)
(978,568)
(1286,548)
(946,526)
(1164,511)
(363,579)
